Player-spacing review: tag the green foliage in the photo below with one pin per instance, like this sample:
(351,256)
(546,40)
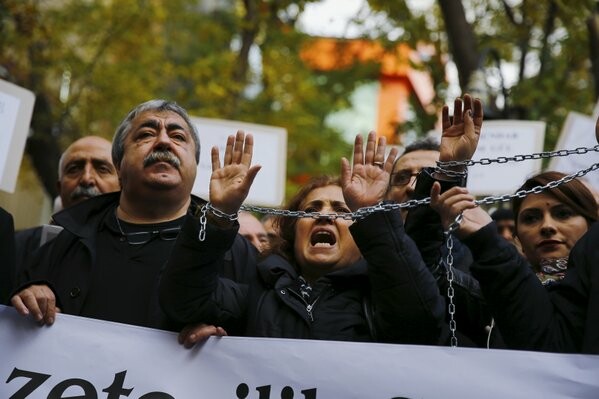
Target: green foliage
(547,43)
(120,53)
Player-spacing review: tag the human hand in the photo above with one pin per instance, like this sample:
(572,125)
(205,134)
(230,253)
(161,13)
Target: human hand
(454,201)
(194,333)
(366,183)
(230,184)
(460,135)
(37,300)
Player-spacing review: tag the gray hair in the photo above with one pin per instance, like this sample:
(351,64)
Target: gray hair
(118,141)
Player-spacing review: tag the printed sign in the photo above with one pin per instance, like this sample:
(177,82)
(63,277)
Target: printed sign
(16,108)
(91,359)
(578,131)
(270,151)
(505,139)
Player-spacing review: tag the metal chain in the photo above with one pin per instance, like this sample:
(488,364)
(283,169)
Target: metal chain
(520,158)
(387,207)
(449,274)
(537,189)
(359,214)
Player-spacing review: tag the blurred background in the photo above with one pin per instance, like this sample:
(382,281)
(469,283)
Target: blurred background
(323,70)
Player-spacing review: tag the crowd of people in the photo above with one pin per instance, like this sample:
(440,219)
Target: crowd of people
(135,246)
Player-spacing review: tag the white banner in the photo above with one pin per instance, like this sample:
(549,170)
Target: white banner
(505,139)
(16,108)
(270,151)
(88,359)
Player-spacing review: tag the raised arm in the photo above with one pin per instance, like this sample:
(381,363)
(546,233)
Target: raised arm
(191,290)
(407,305)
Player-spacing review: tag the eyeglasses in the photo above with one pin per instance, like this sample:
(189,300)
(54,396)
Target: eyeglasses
(402,177)
(142,237)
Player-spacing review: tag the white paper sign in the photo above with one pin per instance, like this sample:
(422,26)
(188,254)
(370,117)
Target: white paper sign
(578,131)
(90,359)
(501,139)
(16,108)
(270,151)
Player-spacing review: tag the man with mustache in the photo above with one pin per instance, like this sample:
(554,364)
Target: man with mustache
(85,170)
(106,262)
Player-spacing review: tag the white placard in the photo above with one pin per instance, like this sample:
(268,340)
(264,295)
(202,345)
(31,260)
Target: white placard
(578,131)
(270,151)
(16,108)
(501,139)
(90,359)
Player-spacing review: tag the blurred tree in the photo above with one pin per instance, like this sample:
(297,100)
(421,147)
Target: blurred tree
(550,47)
(89,62)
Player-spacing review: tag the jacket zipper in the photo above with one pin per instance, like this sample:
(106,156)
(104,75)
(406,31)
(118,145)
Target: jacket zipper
(309,306)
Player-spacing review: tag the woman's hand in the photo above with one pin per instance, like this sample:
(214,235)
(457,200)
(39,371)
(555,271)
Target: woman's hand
(366,181)
(460,135)
(458,200)
(230,184)
(194,333)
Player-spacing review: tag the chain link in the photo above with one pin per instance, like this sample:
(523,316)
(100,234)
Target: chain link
(520,158)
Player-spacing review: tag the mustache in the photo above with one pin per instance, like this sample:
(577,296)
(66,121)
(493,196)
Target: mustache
(82,191)
(162,156)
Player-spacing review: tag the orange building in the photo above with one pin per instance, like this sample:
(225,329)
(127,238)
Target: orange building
(398,80)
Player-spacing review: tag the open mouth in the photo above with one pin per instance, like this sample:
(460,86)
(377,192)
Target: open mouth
(322,239)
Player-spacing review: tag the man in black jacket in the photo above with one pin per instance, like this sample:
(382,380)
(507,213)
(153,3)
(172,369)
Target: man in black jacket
(85,170)
(105,263)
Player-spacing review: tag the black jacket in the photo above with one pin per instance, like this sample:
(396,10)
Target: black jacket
(7,256)
(66,264)
(563,317)
(26,243)
(389,296)
(472,315)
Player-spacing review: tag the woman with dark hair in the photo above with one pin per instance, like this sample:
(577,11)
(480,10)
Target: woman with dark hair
(556,224)
(548,224)
(333,278)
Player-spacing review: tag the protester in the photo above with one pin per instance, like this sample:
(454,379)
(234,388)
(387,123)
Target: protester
(548,224)
(106,262)
(7,255)
(328,279)
(251,228)
(85,170)
(269,222)
(424,227)
(506,225)
(416,156)
(559,317)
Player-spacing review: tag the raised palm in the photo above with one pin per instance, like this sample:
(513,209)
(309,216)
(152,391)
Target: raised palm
(365,183)
(231,182)
(460,134)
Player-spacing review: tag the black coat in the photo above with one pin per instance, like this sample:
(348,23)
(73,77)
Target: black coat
(7,256)
(561,318)
(472,315)
(26,243)
(67,263)
(389,296)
